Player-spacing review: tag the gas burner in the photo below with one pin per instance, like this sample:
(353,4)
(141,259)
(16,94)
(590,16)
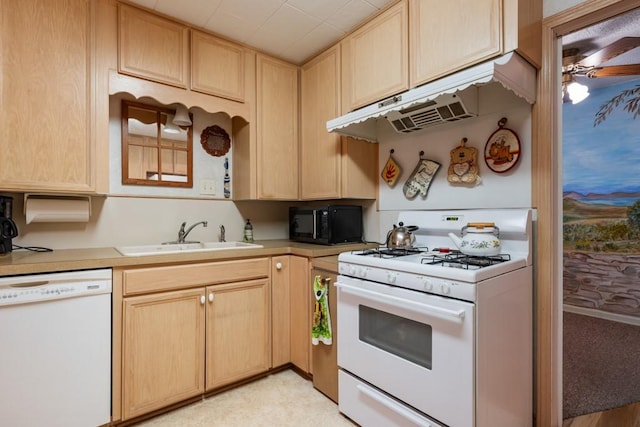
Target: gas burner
(385,252)
(469,262)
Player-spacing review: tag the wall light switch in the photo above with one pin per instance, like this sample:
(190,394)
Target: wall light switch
(208,186)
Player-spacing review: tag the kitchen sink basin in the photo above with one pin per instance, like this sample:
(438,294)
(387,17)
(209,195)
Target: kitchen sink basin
(176,248)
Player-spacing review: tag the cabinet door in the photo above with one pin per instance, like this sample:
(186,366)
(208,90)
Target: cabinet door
(238,331)
(280,320)
(217,66)
(162,350)
(448,36)
(325,357)
(277,113)
(46,137)
(301,290)
(319,149)
(359,169)
(375,59)
(152,47)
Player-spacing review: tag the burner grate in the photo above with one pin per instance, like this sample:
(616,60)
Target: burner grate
(469,262)
(385,252)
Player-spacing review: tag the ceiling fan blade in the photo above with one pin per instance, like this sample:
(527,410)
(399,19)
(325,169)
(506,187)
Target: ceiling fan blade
(616,71)
(609,52)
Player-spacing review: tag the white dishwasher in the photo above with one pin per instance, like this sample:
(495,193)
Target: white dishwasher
(55,349)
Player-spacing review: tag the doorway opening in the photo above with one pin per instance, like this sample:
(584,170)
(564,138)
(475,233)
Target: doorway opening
(548,199)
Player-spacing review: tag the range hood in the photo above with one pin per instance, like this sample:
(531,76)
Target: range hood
(448,99)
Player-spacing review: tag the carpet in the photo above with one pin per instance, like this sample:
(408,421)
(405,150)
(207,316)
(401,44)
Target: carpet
(601,364)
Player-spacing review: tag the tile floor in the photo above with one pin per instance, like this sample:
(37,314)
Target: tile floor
(282,399)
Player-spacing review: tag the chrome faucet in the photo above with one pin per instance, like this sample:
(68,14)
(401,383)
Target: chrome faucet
(222,233)
(182,234)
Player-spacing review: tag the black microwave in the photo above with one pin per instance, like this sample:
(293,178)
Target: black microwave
(327,225)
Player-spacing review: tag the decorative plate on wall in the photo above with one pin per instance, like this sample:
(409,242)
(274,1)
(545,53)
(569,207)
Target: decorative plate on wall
(502,151)
(215,141)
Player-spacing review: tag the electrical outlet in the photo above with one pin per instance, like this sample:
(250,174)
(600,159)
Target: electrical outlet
(208,186)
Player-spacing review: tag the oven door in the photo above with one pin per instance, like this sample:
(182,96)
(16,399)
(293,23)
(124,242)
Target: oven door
(414,346)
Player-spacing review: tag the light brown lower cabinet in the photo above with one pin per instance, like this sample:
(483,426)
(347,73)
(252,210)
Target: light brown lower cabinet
(291,320)
(163,350)
(325,357)
(300,315)
(280,315)
(238,335)
(177,344)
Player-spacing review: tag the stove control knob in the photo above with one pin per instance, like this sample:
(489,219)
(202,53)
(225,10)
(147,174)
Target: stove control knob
(445,288)
(352,270)
(428,285)
(391,277)
(363,273)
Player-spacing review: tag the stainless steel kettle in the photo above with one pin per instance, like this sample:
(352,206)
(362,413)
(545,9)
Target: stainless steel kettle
(401,237)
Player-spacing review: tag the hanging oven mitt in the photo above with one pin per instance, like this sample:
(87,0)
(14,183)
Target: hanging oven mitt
(420,179)
(321,329)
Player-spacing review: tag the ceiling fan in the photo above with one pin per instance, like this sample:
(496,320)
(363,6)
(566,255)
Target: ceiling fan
(574,64)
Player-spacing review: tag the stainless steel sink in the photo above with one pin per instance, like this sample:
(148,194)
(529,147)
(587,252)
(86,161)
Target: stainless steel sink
(175,248)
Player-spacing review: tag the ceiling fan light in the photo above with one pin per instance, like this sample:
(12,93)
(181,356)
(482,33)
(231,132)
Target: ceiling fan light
(170,126)
(182,116)
(577,92)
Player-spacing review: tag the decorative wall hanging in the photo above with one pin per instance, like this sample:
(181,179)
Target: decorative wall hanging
(215,141)
(391,171)
(420,179)
(463,167)
(502,151)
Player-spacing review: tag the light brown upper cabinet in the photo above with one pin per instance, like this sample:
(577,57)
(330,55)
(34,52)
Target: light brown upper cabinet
(47,100)
(319,149)
(154,150)
(277,129)
(217,67)
(331,167)
(449,36)
(152,47)
(375,60)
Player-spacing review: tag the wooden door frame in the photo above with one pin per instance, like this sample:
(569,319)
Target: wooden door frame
(547,199)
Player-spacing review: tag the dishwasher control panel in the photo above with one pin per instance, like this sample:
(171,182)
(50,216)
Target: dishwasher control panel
(52,286)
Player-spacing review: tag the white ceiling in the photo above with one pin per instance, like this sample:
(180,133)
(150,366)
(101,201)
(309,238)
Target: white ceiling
(593,38)
(294,30)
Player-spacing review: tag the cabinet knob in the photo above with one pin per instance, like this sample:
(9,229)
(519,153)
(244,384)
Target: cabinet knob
(278,266)
(211,297)
(202,299)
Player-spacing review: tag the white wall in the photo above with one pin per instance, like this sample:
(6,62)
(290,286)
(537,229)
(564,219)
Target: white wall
(135,221)
(551,7)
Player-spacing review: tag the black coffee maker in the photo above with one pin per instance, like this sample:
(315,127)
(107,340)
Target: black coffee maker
(8,229)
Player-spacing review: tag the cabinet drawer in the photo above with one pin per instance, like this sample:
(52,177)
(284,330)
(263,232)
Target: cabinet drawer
(155,279)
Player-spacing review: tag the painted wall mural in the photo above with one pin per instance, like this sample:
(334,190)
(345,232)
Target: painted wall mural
(601,201)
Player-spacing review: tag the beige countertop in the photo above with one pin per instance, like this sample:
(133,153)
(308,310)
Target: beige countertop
(27,262)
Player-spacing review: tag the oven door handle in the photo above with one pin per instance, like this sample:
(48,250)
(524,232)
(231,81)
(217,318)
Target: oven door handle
(393,406)
(405,304)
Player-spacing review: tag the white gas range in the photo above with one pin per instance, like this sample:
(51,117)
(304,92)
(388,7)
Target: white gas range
(430,336)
